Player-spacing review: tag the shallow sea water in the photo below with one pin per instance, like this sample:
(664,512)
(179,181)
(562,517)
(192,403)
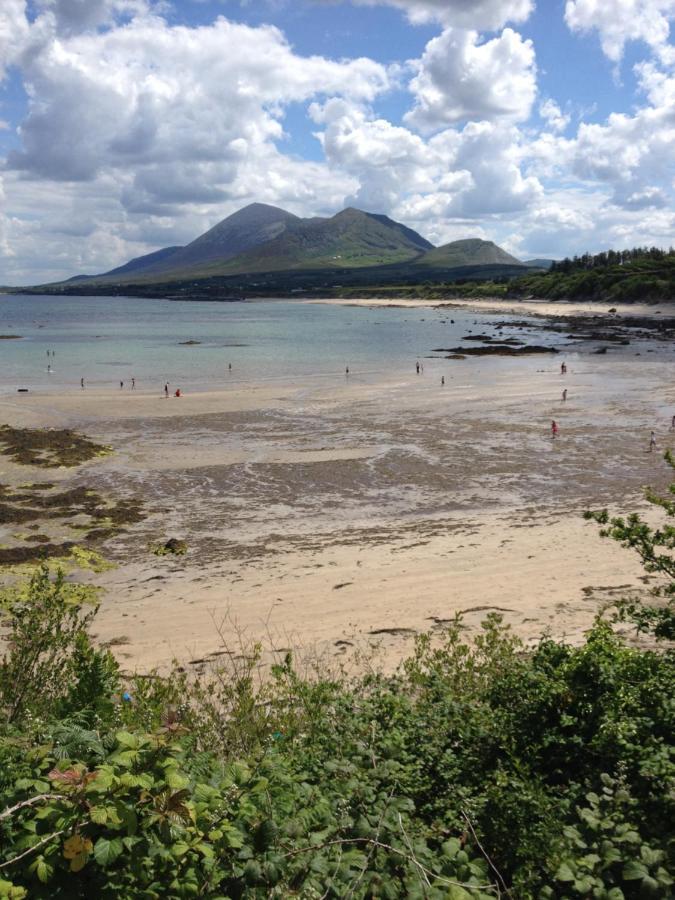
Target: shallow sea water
(106,340)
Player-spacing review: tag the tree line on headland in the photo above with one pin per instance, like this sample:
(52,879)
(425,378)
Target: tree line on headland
(640,274)
(611,258)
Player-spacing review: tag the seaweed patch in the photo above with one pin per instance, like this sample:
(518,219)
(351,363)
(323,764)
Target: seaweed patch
(52,513)
(49,447)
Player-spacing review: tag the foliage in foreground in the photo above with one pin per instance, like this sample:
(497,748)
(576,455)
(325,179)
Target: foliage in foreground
(477,771)
(655,547)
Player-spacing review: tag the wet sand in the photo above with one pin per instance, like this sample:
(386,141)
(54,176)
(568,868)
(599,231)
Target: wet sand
(331,517)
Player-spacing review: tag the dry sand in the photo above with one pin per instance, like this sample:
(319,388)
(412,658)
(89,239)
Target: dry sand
(337,517)
(518,306)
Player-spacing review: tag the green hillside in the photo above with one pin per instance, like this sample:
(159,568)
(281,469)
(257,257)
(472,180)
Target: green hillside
(622,276)
(470,252)
(350,239)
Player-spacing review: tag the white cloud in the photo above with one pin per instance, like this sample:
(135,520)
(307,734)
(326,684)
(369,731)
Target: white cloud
(467,173)
(553,115)
(482,15)
(13,32)
(631,154)
(620,21)
(657,85)
(149,95)
(460,79)
(383,157)
(491,153)
(72,16)
(5,249)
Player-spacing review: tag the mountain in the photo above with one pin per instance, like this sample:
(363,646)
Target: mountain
(469,252)
(261,240)
(350,239)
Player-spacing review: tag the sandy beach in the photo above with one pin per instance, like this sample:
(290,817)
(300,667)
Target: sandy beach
(334,516)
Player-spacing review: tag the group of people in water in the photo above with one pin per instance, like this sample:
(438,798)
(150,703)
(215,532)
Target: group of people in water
(555,428)
(419,368)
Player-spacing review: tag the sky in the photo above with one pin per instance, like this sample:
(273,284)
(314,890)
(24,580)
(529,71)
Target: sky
(547,126)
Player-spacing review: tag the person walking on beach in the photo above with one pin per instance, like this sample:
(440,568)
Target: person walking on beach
(133,384)
(563,368)
(442,380)
(417,367)
(82,383)
(121,385)
(229,366)
(166,390)
(554,429)
(564,395)
(49,370)
(652,442)
(347,370)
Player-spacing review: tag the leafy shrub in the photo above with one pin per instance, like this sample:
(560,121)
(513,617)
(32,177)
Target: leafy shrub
(52,667)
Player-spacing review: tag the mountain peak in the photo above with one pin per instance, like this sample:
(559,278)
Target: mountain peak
(259,211)
(350,212)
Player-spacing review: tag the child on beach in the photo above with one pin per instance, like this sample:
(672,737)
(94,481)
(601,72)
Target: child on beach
(554,429)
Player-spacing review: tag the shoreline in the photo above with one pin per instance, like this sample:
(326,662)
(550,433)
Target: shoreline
(548,308)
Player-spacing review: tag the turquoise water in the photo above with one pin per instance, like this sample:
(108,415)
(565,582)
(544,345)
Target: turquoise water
(106,340)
